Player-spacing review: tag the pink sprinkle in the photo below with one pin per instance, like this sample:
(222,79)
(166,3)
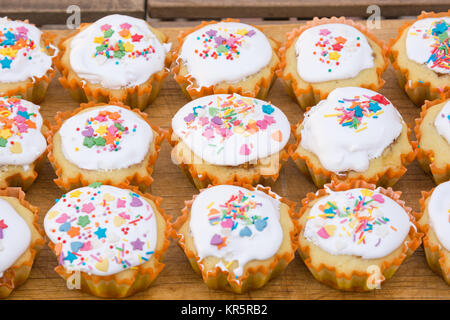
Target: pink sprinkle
(378,198)
(324,32)
(125,26)
(120,203)
(88,208)
(105,27)
(323,233)
(245,151)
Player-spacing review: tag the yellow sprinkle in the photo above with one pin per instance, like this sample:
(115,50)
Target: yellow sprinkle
(362,238)
(229,264)
(366,192)
(378,113)
(361,129)
(310,217)
(333,115)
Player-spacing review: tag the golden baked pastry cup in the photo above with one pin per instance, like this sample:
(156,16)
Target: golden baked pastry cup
(438,258)
(70,176)
(24,176)
(19,272)
(348,272)
(309,94)
(33,89)
(132,280)
(256,85)
(419,82)
(81,90)
(384,171)
(256,272)
(432,150)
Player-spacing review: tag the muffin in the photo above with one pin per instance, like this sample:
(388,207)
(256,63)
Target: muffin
(353,236)
(117,57)
(22,142)
(21,239)
(433,139)
(237,238)
(222,139)
(434,222)
(419,55)
(108,143)
(25,60)
(325,54)
(355,133)
(111,238)
(225,57)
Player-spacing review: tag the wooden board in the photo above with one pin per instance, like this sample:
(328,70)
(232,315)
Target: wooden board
(195,9)
(54,11)
(414,280)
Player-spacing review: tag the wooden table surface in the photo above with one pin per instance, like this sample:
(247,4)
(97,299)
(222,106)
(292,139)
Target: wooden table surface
(414,280)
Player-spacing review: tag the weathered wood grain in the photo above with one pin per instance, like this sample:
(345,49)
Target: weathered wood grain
(54,11)
(414,280)
(200,9)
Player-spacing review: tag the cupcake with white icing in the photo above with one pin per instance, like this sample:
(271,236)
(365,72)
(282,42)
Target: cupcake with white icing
(420,57)
(225,57)
(355,236)
(221,139)
(434,222)
(355,133)
(108,143)
(22,142)
(237,238)
(111,238)
(117,57)
(21,239)
(25,60)
(326,54)
(433,139)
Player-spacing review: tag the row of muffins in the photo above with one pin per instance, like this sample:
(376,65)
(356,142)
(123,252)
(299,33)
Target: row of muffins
(354,134)
(209,122)
(110,240)
(125,59)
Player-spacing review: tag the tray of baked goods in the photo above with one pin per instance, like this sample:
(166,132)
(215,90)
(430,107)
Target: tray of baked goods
(226,160)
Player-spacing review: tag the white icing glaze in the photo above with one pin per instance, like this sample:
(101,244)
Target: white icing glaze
(117,72)
(102,230)
(126,138)
(364,223)
(342,147)
(211,222)
(21,140)
(255,130)
(422,41)
(210,53)
(332,52)
(442,122)
(26,61)
(439,213)
(15,236)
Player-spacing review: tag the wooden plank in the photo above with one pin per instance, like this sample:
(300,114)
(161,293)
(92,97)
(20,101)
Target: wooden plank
(54,11)
(414,280)
(200,9)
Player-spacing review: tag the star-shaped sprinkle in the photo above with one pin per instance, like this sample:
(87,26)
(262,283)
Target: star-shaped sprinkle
(324,32)
(88,207)
(137,244)
(83,221)
(71,257)
(100,233)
